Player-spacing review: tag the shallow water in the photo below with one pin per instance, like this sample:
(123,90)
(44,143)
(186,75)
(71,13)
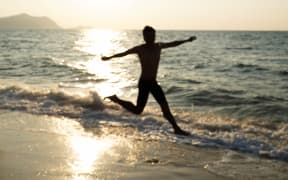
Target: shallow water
(49,147)
(228,88)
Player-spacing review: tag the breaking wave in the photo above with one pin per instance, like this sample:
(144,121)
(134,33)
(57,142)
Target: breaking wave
(262,138)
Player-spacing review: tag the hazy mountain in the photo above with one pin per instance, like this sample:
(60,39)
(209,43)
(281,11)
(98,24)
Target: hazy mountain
(25,21)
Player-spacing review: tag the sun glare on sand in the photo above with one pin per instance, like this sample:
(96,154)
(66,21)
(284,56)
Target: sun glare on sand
(87,151)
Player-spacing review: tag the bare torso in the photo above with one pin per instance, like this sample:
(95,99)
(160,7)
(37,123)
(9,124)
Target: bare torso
(149,55)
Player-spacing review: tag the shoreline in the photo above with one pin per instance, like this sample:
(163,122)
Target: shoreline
(47,147)
(43,147)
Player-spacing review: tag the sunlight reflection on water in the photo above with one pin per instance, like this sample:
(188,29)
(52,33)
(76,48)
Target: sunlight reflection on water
(97,43)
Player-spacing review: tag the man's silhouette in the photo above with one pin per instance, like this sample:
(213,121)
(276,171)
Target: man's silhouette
(149,55)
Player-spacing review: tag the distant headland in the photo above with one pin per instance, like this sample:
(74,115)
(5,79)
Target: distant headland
(25,21)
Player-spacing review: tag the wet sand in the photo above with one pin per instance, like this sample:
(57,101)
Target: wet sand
(43,147)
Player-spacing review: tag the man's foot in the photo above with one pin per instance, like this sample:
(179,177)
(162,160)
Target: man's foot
(181,132)
(113,98)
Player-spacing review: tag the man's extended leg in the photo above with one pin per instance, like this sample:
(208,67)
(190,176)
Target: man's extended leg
(158,94)
(141,100)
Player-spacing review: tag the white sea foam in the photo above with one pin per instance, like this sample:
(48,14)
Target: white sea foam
(259,138)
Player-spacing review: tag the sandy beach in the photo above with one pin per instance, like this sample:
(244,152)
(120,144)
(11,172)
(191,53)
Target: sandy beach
(43,147)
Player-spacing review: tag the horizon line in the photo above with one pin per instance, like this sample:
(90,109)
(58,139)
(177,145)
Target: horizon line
(159,29)
(176,29)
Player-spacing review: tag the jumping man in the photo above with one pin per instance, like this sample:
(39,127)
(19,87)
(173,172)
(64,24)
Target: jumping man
(149,55)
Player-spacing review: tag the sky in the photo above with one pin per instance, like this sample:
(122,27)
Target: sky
(162,14)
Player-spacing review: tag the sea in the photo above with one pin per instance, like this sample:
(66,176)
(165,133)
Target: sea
(228,88)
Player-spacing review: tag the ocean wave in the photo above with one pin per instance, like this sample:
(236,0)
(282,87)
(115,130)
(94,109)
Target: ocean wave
(273,59)
(283,73)
(268,99)
(45,67)
(239,48)
(6,68)
(264,111)
(237,104)
(173,89)
(264,139)
(199,66)
(229,91)
(48,102)
(187,80)
(87,80)
(208,130)
(250,67)
(190,81)
(218,97)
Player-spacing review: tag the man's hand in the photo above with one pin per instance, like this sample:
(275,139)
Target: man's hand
(105,58)
(192,38)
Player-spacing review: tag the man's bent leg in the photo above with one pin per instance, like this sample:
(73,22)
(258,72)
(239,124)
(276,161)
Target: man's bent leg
(141,101)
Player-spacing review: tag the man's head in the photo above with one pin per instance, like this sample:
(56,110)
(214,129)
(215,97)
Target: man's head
(149,34)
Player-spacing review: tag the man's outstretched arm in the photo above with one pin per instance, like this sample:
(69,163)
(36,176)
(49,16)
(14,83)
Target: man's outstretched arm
(125,53)
(177,43)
